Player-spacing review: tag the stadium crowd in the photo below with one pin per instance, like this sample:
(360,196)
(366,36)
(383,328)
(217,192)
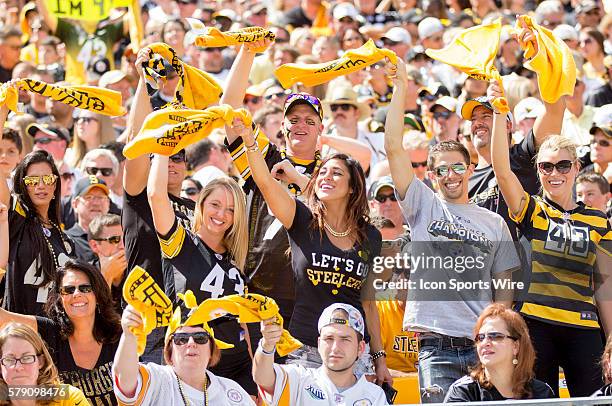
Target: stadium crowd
(441,215)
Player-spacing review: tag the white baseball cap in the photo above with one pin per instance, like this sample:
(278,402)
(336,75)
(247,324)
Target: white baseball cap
(529,107)
(345,10)
(565,32)
(355,319)
(398,34)
(429,26)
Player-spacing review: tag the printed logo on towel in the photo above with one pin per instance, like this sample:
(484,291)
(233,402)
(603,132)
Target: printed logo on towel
(339,65)
(362,402)
(234,396)
(315,392)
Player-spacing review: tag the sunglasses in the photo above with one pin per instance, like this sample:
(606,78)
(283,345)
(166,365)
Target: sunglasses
(35,180)
(444,170)
(214,49)
(253,100)
(344,107)
(384,198)
(601,143)
(429,97)
(70,289)
(190,191)
(113,239)
(92,170)
(493,336)
(562,167)
(67,175)
(45,140)
(86,119)
(418,164)
(442,114)
(271,96)
(178,158)
(201,337)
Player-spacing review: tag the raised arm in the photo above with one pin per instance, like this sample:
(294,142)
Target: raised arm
(10,317)
(263,361)
(4,239)
(510,186)
(399,159)
(125,365)
(5,192)
(348,146)
(157,192)
(137,169)
(49,19)
(238,78)
(279,201)
(550,122)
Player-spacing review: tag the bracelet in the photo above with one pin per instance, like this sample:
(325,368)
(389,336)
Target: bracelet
(263,351)
(253,147)
(379,354)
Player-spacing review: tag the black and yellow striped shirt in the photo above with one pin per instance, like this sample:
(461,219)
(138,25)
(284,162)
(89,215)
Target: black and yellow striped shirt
(561,249)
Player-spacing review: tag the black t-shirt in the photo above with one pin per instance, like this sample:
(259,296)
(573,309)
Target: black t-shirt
(96,383)
(296,18)
(81,243)
(5,75)
(139,236)
(192,265)
(603,391)
(600,96)
(24,293)
(325,274)
(466,389)
(483,187)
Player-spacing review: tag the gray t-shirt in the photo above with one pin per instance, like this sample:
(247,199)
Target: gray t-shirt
(456,249)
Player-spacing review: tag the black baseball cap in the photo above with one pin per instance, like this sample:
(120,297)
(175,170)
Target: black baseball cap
(48,129)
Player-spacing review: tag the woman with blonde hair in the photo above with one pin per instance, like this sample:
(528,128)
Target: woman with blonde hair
(567,244)
(208,258)
(90,131)
(26,361)
(505,361)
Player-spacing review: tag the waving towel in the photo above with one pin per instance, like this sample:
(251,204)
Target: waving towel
(96,99)
(196,89)
(473,51)
(318,73)
(168,131)
(213,37)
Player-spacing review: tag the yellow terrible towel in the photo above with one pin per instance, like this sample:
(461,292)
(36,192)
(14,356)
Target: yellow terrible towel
(168,131)
(316,74)
(96,99)
(473,51)
(250,308)
(196,89)
(213,37)
(148,299)
(553,61)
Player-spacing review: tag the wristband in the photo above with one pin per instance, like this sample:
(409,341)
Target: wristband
(253,147)
(263,351)
(379,354)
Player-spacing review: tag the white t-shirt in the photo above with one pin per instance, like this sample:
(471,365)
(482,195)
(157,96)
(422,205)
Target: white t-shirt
(157,385)
(297,386)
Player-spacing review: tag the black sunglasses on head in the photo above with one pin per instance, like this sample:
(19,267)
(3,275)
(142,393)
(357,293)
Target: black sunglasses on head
(201,337)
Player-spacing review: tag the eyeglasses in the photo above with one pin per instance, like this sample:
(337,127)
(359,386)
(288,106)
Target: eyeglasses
(493,336)
(113,239)
(444,170)
(343,106)
(253,100)
(70,289)
(201,337)
(45,140)
(25,360)
(271,96)
(384,198)
(92,170)
(418,164)
(442,114)
(190,191)
(86,119)
(601,143)
(562,167)
(35,180)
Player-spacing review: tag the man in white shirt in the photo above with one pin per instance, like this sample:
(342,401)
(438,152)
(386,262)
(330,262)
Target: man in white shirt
(341,332)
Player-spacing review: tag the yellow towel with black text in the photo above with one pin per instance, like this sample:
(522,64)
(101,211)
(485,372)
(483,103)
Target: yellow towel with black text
(315,74)
(196,89)
(553,62)
(168,131)
(96,99)
(250,308)
(212,37)
(473,51)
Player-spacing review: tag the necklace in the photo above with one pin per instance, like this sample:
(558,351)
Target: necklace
(180,386)
(47,234)
(334,232)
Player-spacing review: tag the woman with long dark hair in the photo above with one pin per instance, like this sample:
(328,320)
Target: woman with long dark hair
(505,361)
(82,330)
(332,241)
(38,246)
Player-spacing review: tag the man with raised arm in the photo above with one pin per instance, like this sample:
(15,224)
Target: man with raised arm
(459,252)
